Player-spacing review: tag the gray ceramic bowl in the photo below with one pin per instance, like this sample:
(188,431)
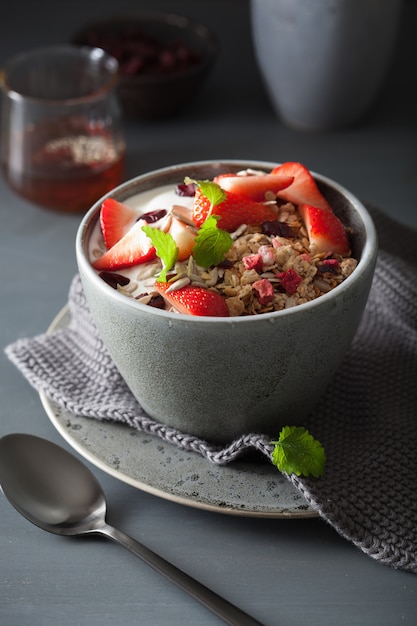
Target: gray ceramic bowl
(220,377)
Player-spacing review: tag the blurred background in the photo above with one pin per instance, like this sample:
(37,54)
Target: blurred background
(231,116)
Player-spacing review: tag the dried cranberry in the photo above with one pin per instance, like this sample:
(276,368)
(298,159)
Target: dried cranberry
(289,281)
(275,228)
(182,189)
(153,216)
(113,279)
(225,264)
(329,265)
(157,302)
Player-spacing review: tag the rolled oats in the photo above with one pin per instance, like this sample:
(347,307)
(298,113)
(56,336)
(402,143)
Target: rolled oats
(275,272)
(269,267)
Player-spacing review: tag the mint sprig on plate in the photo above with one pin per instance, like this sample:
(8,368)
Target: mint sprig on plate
(297,452)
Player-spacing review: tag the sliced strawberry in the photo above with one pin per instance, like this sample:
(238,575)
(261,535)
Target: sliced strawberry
(184,237)
(304,189)
(325,230)
(132,249)
(193,300)
(233,211)
(253,187)
(115,220)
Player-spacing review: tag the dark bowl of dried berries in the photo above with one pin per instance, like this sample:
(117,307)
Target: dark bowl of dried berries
(163,59)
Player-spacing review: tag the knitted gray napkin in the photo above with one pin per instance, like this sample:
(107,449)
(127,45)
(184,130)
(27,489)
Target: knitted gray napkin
(366,421)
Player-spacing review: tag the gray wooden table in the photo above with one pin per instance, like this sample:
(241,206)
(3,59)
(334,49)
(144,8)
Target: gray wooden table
(290,572)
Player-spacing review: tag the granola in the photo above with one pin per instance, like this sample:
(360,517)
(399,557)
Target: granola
(263,273)
(276,264)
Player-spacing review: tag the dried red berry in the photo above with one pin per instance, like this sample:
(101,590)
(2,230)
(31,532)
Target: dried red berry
(289,281)
(113,279)
(277,229)
(153,216)
(264,289)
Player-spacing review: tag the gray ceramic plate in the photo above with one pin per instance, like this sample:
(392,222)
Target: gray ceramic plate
(245,488)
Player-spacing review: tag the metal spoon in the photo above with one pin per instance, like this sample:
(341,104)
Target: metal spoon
(57,492)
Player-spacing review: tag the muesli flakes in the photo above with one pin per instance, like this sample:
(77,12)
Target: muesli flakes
(269,267)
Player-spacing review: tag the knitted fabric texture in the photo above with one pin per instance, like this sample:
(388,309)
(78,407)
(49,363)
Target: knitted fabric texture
(366,421)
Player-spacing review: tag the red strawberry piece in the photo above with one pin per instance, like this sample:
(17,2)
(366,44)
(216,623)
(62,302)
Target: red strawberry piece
(304,189)
(193,300)
(253,187)
(234,211)
(326,232)
(115,220)
(132,249)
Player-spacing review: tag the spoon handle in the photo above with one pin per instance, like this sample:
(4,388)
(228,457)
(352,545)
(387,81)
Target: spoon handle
(230,613)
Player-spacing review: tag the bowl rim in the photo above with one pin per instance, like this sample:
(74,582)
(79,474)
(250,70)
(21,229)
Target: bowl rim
(367,258)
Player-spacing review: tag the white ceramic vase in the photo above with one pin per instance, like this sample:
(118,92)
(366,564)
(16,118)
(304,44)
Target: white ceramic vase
(324,61)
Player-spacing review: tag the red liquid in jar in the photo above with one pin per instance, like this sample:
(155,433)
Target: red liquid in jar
(69,173)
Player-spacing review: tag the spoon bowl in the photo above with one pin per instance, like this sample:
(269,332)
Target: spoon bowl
(55,491)
(68,505)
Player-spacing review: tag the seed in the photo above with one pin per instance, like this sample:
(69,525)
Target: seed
(199,283)
(322,285)
(195,278)
(213,277)
(179,276)
(184,215)
(178,284)
(239,231)
(129,288)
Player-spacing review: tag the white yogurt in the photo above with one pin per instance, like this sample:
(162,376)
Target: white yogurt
(142,276)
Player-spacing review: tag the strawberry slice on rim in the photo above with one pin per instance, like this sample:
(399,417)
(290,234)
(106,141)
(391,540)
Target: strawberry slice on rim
(132,249)
(254,187)
(304,188)
(234,211)
(326,232)
(192,300)
(116,219)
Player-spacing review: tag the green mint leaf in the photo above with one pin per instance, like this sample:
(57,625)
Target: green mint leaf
(213,192)
(211,243)
(166,249)
(297,452)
